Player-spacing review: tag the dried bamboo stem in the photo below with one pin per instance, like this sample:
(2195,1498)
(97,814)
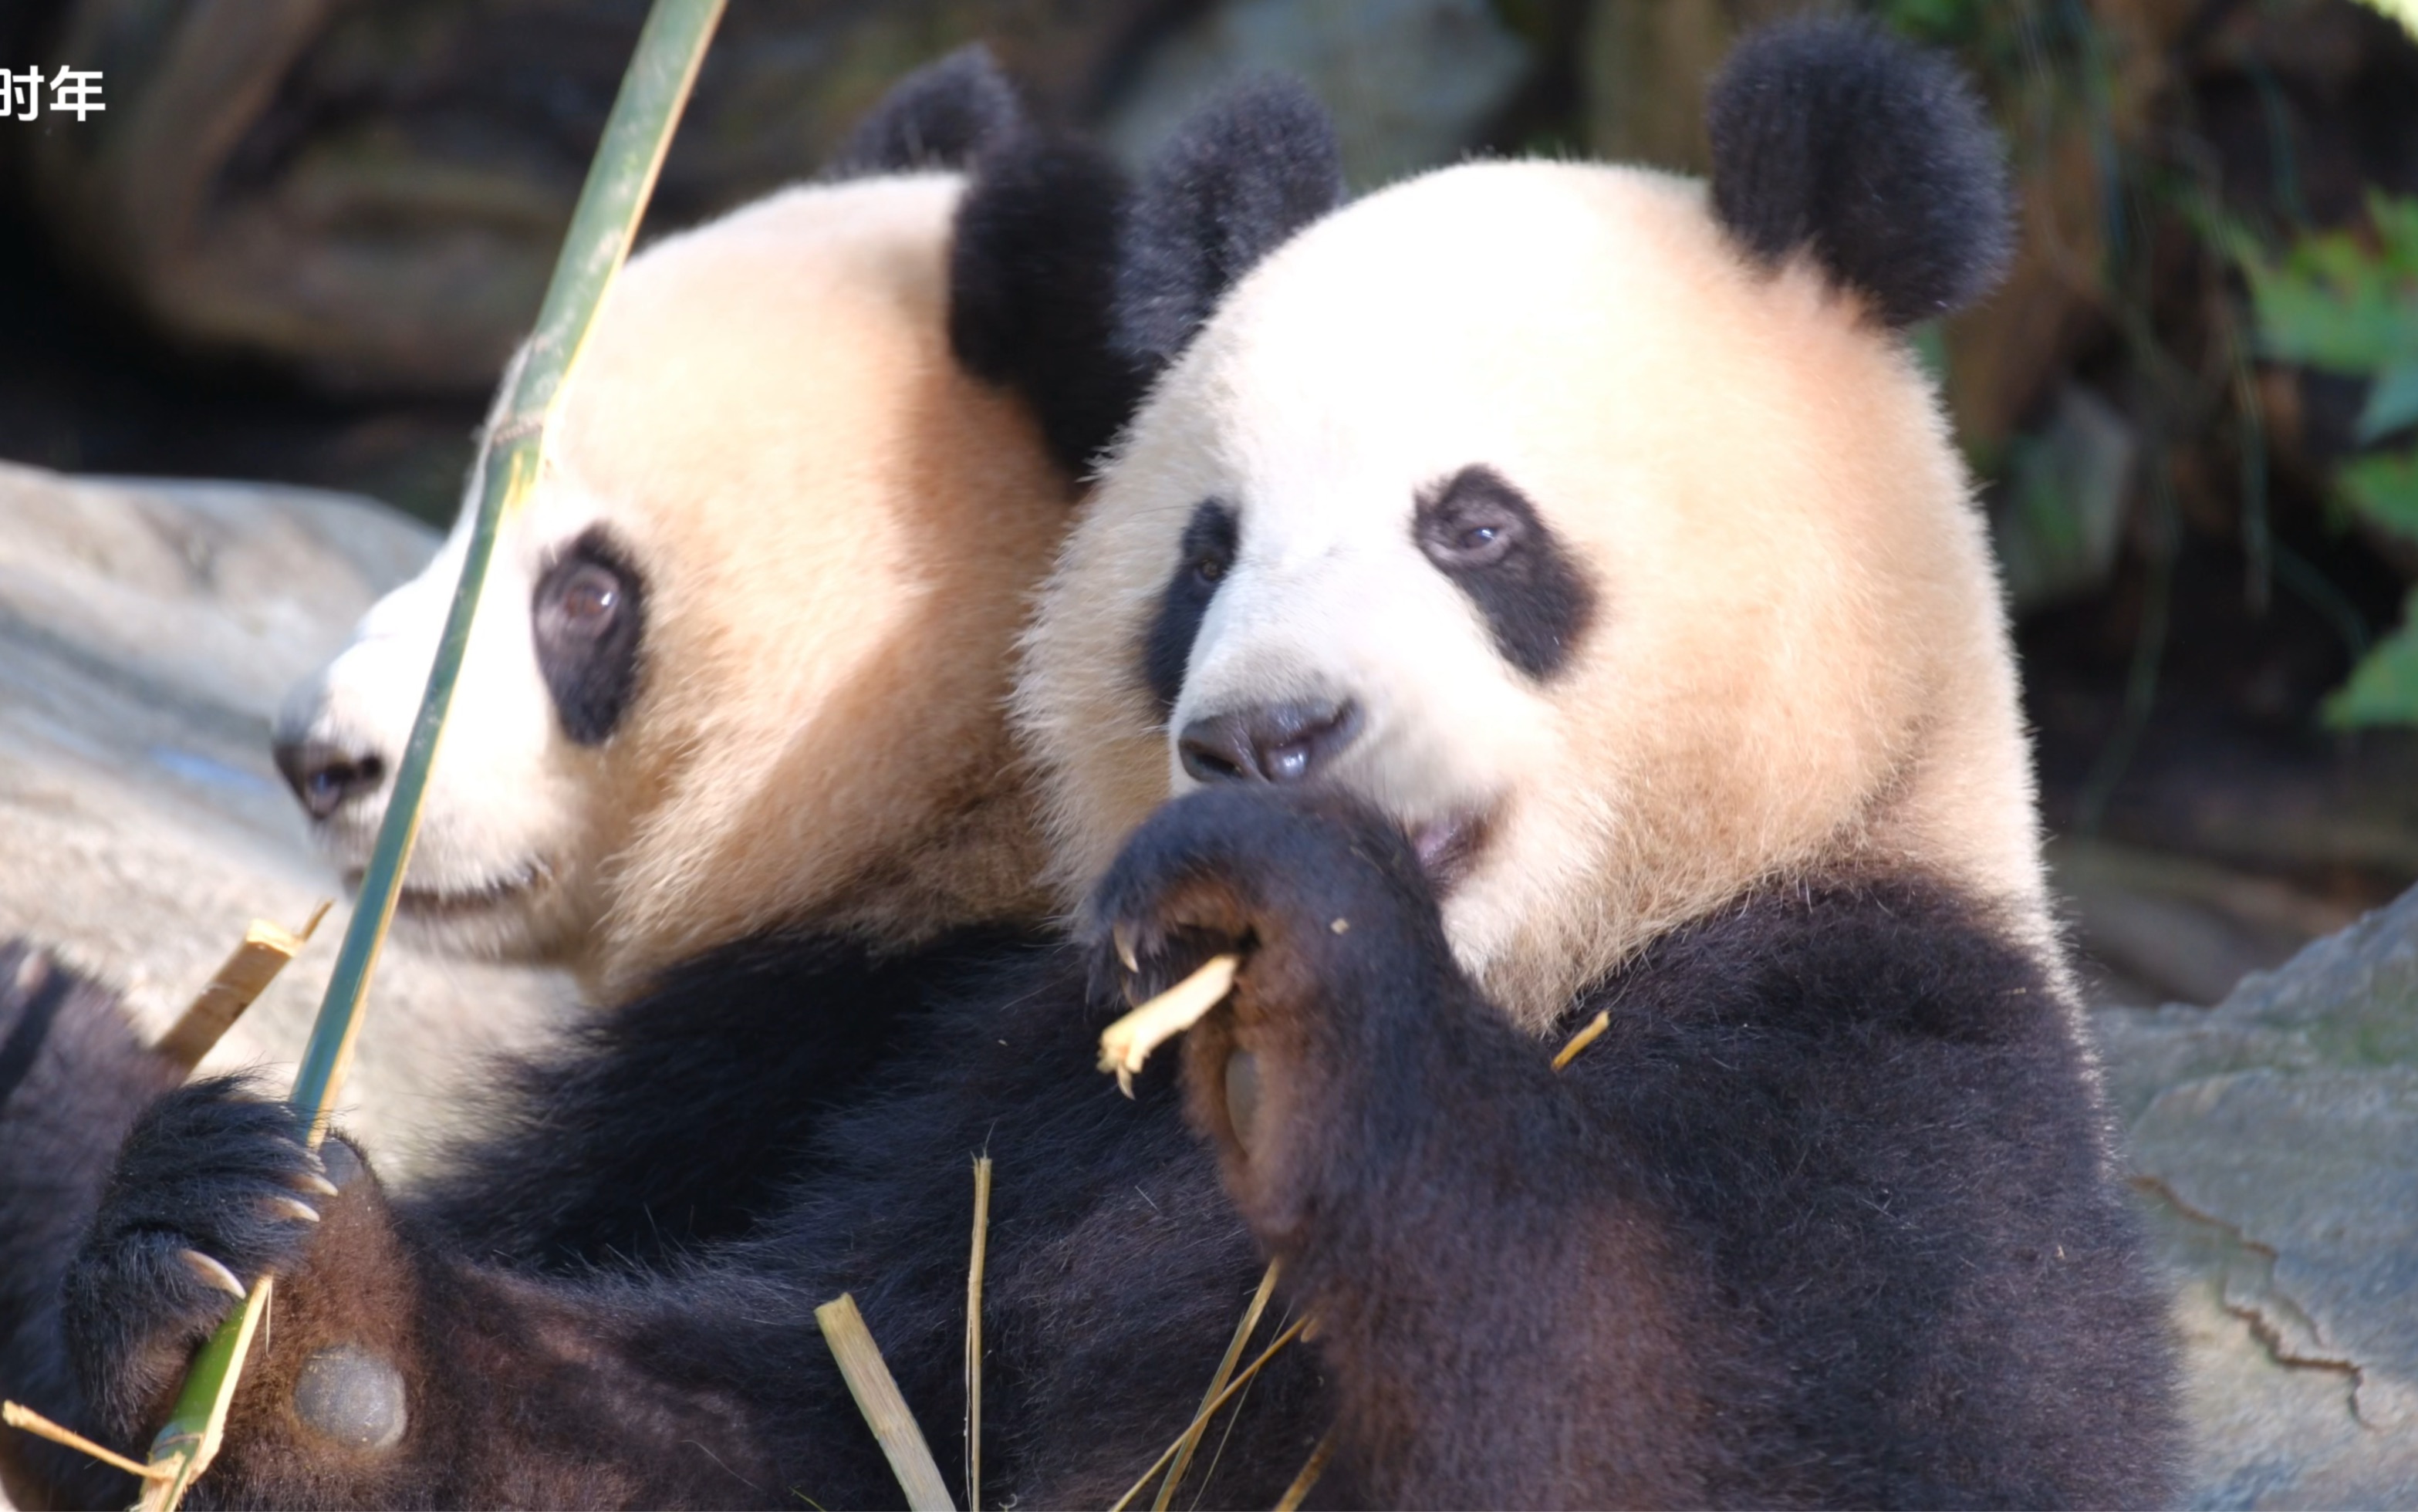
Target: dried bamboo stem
(1299,1326)
(885,1412)
(1299,1490)
(240,979)
(1235,1347)
(973,1332)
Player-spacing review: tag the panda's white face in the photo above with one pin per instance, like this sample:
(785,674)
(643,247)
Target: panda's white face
(1623,576)
(741,659)
(513,833)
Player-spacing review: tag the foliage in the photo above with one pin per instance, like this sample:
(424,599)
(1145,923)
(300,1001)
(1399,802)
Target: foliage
(2346,303)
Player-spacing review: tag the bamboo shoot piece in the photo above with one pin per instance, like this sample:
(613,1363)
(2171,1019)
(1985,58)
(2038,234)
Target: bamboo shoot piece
(1127,1044)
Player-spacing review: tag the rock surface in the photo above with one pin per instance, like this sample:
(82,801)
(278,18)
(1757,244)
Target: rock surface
(2275,1146)
(148,631)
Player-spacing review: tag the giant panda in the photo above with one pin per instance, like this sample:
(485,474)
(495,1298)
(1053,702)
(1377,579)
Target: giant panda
(1537,594)
(740,678)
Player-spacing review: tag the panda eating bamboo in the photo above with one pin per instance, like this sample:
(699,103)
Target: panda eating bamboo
(1537,591)
(740,678)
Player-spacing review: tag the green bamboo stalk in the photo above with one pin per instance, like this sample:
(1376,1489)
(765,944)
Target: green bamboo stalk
(620,182)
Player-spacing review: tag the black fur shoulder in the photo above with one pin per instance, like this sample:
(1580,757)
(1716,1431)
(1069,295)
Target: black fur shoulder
(678,1119)
(1825,1215)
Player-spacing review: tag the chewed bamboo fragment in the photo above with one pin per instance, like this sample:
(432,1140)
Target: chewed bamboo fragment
(1127,1044)
(1583,1038)
(240,979)
(885,1410)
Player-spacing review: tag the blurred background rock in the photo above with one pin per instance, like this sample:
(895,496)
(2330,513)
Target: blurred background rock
(300,241)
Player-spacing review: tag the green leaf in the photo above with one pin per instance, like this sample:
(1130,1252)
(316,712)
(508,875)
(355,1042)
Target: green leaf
(2325,311)
(2344,300)
(2391,402)
(2383,488)
(2383,688)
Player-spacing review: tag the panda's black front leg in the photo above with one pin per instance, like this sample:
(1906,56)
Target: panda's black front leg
(1498,1305)
(1343,962)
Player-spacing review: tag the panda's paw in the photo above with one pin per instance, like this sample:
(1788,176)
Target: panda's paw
(1323,901)
(213,1189)
(1271,874)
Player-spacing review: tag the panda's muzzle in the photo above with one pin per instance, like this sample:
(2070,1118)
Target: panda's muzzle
(1268,743)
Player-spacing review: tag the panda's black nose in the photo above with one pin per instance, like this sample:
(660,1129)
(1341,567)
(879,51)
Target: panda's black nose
(324,777)
(1268,743)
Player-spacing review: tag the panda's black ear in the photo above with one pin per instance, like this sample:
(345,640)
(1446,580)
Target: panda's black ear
(1240,176)
(939,117)
(1874,157)
(1032,274)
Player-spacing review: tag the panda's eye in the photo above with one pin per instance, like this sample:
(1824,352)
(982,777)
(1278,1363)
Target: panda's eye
(584,602)
(1202,557)
(587,620)
(1471,532)
(1489,541)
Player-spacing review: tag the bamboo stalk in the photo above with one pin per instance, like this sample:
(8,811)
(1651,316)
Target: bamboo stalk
(1298,1491)
(620,182)
(18,1415)
(1300,1327)
(885,1410)
(240,979)
(973,1332)
(1127,1044)
(1235,1347)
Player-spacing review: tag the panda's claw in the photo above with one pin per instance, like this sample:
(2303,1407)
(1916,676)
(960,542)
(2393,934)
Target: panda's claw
(290,1207)
(211,1273)
(314,1183)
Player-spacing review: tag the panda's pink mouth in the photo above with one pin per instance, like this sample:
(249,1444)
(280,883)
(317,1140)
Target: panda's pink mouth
(1449,847)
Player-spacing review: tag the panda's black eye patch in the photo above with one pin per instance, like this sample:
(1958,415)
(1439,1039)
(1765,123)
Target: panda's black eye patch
(1211,538)
(1485,536)
(587,619)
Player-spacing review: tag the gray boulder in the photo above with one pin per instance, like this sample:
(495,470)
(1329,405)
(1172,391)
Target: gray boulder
(2275,1149)
(147,633)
